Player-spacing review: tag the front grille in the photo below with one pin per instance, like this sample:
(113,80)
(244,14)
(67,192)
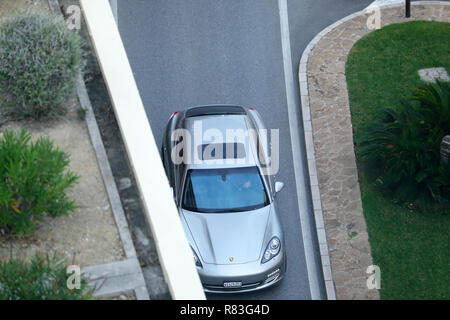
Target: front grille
(222,288)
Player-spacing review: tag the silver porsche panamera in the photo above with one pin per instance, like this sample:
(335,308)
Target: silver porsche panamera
(216,163)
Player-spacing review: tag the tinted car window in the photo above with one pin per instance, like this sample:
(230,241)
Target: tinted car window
(224,190)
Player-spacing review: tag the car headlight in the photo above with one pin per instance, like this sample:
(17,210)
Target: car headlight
(196,259)
(272,249)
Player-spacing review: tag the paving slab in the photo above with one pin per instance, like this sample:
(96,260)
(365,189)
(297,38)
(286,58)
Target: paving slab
(116,278)
(433,74)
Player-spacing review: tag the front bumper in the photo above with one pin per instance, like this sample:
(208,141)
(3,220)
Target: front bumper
(243,289)
(253,276)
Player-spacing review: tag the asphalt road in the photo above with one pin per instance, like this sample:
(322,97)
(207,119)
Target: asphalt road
(193,52)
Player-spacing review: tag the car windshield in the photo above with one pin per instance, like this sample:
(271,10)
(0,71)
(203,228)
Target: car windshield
(224,190)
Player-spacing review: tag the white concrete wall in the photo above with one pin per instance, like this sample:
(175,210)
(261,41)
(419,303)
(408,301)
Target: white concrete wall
(174,251)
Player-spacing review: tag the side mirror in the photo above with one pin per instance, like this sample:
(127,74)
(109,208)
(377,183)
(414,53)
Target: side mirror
(278,186)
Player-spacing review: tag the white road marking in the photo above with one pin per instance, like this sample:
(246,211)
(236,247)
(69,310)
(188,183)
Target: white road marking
(299,168)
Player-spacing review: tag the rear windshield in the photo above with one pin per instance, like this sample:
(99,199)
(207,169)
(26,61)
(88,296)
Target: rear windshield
(224,190)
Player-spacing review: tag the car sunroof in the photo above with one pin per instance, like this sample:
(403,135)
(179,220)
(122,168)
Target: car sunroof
(213,151)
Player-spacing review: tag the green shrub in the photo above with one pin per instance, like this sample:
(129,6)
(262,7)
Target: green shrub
(33,181)
(434,105)
(39,61)
(40,279)
(401,149)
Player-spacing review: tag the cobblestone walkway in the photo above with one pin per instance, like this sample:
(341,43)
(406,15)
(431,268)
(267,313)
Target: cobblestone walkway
(345,226)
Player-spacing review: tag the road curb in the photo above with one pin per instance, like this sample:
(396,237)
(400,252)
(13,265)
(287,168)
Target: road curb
(108,178)
(309,140)
(140,289)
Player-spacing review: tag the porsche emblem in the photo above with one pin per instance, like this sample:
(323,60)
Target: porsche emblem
(231,259)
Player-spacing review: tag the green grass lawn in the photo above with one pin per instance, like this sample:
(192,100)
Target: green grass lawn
(411,248)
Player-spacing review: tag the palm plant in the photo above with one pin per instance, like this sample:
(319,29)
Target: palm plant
(401,148)
(434,105)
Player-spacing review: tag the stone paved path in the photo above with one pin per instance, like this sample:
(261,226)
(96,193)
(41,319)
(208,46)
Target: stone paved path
(345,226)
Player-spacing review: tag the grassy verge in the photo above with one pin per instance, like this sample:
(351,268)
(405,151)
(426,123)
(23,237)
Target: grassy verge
(411,248)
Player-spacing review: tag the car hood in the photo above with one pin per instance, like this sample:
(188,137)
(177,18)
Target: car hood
(228,238)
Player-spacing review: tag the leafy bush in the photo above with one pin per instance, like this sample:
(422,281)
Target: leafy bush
(33,181)
(39,279)
(434,105)
(401,149)
(39,61)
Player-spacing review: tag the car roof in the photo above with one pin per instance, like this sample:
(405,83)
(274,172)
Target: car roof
(220,128)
